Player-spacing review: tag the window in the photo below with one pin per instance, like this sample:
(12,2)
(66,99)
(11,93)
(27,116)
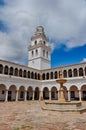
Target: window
(44,42)
(47,54)
(36,52)
(32,53)
(43,52)
(35,42)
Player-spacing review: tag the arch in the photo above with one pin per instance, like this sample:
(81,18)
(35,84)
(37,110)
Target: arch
(1,68)
(6,70)
(35,75)
(51,75)
(47,76)
(80,71)
(28,74)
(32,75)
(45,93)
(25,74)
(65,73)
(43,76)
(54,93)
(16,72)
(74,92)
(29,93)
(36,96)
(38,76)
(12,93)
(75,72)
(56,75)
(2,92)
(11,71)
(20,72)
(83,92)
(21,93)
(69,73)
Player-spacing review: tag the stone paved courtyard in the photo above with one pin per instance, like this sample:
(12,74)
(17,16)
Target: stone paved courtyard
(29,116)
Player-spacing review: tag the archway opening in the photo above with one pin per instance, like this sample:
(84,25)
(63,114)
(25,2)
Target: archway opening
(36,96)
(2,92)
(29,93)
(74,93)
(83,92)
(12,93)
(46,93)
(54,93)
(21,93)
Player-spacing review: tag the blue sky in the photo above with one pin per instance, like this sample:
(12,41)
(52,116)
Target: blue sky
(64,22)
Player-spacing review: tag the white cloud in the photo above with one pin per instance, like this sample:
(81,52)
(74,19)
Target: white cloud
(64,21)
(84,60)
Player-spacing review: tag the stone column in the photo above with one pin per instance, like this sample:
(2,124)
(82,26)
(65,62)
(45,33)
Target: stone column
(83,71)
(49,95)
(6,96)
(25,95)
(16,95)
(78,73)
(72,74)
(68,95)
(41,95)
(33,96)
(40,77)
(58,95)
(80,97)
(3,70)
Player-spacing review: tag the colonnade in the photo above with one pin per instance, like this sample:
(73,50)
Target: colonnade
(41,96)
(13,93)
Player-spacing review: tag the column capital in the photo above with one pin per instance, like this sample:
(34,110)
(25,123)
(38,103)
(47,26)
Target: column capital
(17,90)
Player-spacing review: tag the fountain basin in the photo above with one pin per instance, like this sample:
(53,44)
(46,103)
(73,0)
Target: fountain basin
(75,106)
(61,81)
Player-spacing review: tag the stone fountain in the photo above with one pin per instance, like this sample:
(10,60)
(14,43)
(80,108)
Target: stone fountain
(61,105)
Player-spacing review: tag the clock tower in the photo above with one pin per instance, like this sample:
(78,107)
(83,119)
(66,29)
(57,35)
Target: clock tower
(39,50)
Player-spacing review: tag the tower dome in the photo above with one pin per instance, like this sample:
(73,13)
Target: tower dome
(39,30)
